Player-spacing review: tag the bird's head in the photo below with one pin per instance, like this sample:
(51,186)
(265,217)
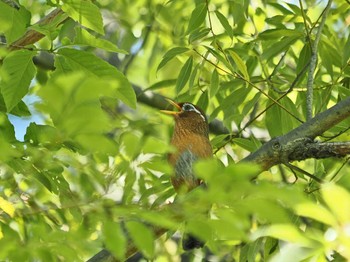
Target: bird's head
(189,117)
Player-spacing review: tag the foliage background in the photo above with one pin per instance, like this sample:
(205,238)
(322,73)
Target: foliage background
(91,172)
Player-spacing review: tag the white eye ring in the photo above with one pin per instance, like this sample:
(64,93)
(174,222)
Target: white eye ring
(189,107)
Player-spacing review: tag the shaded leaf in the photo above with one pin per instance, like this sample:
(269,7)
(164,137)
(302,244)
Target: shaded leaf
(91,64)
(279,47)
(69,97)
(214,83)
(142,236)
(114,239)
(171,54)
(224,22)
(198,34)
(162,84)
(270,34)
(17,72)
(197,17)
(184,75)
(13,23)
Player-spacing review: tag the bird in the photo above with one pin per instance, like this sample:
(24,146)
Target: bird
(191,141)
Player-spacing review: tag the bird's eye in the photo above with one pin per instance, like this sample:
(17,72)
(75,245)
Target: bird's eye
(188,107)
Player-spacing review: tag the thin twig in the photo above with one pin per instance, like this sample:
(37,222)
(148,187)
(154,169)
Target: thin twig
(292,167)
(340,168)
(313,61)
(238,76)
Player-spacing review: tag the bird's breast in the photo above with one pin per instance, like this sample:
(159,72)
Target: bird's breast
(187,152)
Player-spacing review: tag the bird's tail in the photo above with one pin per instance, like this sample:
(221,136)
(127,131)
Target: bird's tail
(189,242)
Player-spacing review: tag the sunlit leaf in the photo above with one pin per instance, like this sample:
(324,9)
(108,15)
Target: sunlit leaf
(7,207)
(338,201)
(83,37)
(317,212)
(85,13)
(224,22)
(240,64)
(286,232)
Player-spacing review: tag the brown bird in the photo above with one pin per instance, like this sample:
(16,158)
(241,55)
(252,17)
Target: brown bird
(191,140)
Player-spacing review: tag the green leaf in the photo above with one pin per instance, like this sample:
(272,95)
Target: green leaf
(240,64)
(278,47)
(171,54)
(338,201)
(270,34)
(248,144)
(142,236)
(7,207)
(17,72)
(224,22)
(43,135)
(214,83)
(315,211)
(85,13)
(184,75)
(157,146)
(83,37)
(278,121)
(73,103)
(346,51)
(51,29)
(20,109)
(71,60)
(286,232)
(114,239)
(198,34)
(13,22)
(304,58)
(197,17)
(162,84)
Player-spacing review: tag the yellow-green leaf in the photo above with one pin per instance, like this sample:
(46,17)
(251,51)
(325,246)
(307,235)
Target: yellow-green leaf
(7,207)
(85,13)
(240,64)
(83,37)
(338,201)
(114,239)
(142,236)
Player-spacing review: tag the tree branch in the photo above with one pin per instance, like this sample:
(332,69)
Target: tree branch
(31,36)
(313,61)
(283,149)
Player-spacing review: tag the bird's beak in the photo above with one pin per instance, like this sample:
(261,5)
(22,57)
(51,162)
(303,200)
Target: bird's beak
(172,112)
